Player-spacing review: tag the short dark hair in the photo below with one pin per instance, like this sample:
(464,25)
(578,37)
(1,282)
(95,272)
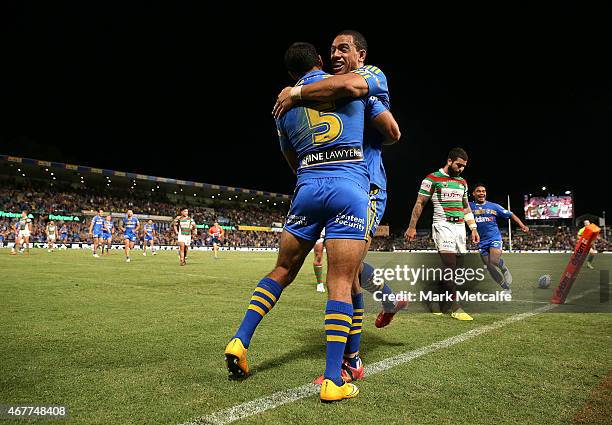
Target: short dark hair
(301,57)
(358,39)
(478,185)
(457,153)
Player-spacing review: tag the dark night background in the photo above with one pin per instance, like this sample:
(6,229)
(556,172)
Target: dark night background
(162,89)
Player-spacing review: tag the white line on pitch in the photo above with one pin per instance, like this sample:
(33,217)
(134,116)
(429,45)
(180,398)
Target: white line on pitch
(260,405)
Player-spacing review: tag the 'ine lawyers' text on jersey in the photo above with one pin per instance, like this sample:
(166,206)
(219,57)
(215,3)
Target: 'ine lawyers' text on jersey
(486,215)
(328,138)
(447,194)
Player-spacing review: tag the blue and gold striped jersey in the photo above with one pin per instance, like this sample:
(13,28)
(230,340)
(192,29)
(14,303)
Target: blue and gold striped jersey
(328,138)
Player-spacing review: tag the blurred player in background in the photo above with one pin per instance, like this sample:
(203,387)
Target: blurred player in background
(95,230)
(51,232)
(149,236)
(108,230)
(448,191)
(130,228)
(216,232)
(22,234)
(486,215)
(63,234)
(317,263)
(184,227)
(592,251)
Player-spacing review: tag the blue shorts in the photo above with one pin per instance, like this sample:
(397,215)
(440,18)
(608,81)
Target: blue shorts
(485,246)
(378,203)
(338,205)
(148,238)
(216,241)
(97,233)
(106,236)
(130,236)
(64,236)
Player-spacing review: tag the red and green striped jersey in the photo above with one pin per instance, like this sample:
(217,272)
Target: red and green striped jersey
(185,225)
(448,195)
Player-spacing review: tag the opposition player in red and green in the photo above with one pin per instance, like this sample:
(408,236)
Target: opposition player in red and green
(51,232)
(486,214)
(324,145)
(150,232)
(448,192)
(592,251)
(184,228)
(130,228)
(23,230)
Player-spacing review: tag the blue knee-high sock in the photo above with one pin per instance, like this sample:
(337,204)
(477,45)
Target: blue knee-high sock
(354,339)
(502,265)
(265,296)
(338,319)
(367,282)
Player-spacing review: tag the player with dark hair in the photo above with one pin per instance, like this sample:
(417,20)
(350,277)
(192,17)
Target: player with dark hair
(216,234)
(486,214)
(184,228)
(323,144)
(130,228)
(23,230)
(448,191)
(150,232)
(348,55)
(108,230)
(95,231)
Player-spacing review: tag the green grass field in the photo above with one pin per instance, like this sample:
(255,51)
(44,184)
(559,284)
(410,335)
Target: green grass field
(143,343)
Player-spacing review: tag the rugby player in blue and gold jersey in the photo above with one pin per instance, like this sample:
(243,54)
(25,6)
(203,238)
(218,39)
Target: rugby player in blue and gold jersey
(486,214)
(323,144)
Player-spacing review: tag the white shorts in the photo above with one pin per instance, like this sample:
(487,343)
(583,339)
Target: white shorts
(51,238)
(449,237)
(186,239)
(23,234)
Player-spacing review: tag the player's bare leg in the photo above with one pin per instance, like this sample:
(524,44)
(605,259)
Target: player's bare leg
(450,260)
(151,246)
(15,248)
(182,253)
(126,248)
(26,245)
(317,266)
(215,250)
(291,256)
(497,268)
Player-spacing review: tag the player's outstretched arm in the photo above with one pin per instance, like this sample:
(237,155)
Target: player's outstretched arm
(387,126)
(417,210)
(520,223)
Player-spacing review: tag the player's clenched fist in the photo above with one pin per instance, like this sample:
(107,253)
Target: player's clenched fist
(410,234)
(284,102)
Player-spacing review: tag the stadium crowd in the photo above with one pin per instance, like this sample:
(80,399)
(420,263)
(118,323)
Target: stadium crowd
(41,201)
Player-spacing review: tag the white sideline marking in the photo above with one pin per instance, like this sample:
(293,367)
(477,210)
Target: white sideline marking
(254,407)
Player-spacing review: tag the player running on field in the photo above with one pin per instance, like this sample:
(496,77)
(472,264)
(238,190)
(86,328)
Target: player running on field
(486,215)
(184,228)
(448,192)
(108,230)
(323,143)
(216,233)
(150,232)
(22,234)
(95,230)
(51,232)
(130,228)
